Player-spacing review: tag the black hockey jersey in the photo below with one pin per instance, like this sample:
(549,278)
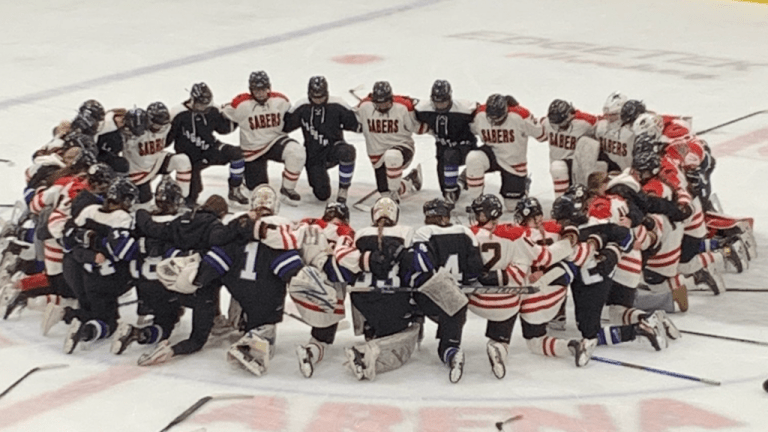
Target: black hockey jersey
(453,247)
(322,125)
(192,132)
(255,274)
(450,128)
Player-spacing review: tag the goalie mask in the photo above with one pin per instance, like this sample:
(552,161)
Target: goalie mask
(264,198)
(385,207)
(612,106)
(650,124)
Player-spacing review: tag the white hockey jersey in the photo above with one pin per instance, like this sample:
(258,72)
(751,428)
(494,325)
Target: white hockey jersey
(260,125)
(509,140)
(145,154)
(616,141)
(383,131)
(562,142)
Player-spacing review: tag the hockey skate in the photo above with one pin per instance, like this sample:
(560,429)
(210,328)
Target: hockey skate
(290,197)
(341,195)
(161,354)
(236,195)
(306,360)
(12,299)
(650,328)
(735,255)
(415,179)
(670,327)
(74,335)
(355,362)
(53,314)
(455,357)
(710,280)
(497,355)
(582,350)
(125,335)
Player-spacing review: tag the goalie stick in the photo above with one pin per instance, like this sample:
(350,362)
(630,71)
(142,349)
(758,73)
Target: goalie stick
(358,205)
(189,411)
(31,371)
(353,92)
(7,161)
(466,289)
(731,122)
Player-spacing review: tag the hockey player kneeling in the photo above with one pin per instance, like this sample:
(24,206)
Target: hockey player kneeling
(389,324)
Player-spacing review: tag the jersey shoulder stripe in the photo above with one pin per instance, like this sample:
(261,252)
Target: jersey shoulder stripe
(242,97)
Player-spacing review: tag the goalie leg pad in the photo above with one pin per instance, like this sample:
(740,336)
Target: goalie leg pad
(318,302)
(585,159)
(390,352)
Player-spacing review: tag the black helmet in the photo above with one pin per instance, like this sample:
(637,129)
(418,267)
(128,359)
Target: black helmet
(259,80)
(496,108)
(318,87)
(382,92)
(560,112)
(487,205)
(441,91)
(201,94)
(630,110)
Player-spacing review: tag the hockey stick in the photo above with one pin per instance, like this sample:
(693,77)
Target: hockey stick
(500,425)
(343,324)
(8,161)
(731,122)
(654,370)
(358,204)
(724,337)
(7,205)
(757,290)
(466,289)
(189,411)
(31,371)
(353,92)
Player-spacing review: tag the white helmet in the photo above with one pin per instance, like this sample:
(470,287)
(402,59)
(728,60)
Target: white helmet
(264,197)
(385,207)
(648,123)
(613,104)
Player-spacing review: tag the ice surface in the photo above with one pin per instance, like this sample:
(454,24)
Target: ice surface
(704,58)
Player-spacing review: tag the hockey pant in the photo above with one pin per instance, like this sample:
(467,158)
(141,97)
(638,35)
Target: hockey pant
(483,160)
(286,151)
(225,154)
(204,305)
(341,154)
(449,328)
(385,314)
(693,260)
(171,162)
(588,302)
(102,293)
(389,176)
(162,304)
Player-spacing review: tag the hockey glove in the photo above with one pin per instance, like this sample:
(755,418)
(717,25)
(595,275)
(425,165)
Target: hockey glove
(606,261)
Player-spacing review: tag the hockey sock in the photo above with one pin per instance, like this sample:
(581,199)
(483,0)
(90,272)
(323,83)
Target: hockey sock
(290,179)
(236,170)
(95,329)
(451,175)
(346,170)
(448,355)
(548,346)
(184,178)
(150,335)
(615,335)
(709,245)
(623,315)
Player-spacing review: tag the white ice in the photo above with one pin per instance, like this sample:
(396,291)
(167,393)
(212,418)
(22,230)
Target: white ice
(703,58)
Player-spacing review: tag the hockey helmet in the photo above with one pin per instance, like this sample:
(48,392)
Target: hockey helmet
(441,94)
(437,207)
(527,208)
(560,113)
(336,210)
(489,206)
(568,208)
(317,88)
(136,121)
(648,123)
(631,110)
(201,94)
(121,191)
(614,103)
(158,114)
(496,108)
(92,109)
(100,175)
(646,161)
(169,194)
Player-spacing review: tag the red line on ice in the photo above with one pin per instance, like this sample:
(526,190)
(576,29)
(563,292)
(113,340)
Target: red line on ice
(741,142)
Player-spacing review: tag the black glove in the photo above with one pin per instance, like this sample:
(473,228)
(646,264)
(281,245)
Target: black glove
(489,279)
(606,261)
(381,261)
(649,223)
(685,211)
(84,237)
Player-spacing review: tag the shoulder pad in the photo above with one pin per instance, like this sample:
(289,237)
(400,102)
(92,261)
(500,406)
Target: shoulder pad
(519,110)
(403,100)
(589,118)
(510,231)
(242,97)
(553,227)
